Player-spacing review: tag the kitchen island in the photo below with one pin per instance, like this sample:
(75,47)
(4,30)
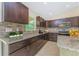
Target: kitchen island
(69,46)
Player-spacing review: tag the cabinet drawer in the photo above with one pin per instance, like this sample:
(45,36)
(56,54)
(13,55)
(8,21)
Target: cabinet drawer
(18,45)
(34,39)
(36,46)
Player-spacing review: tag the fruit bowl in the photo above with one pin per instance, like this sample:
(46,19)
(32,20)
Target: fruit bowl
(74,32)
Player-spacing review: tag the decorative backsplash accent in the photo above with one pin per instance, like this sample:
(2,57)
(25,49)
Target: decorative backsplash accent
(32,24)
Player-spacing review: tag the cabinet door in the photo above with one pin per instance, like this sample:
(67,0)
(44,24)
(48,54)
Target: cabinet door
(49,23)
(11,11)
(30,50)
(43,24)
(25,14)
(36,46)
(15,12)
(34,39)
(46,36)
(18,45)
(23,17)
(41,37)
(52,37)
(21,52)
(38,21)
(15,46)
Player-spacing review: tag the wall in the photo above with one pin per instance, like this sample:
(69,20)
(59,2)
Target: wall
(0,27)
(0,11)
(32,21)
(70,13)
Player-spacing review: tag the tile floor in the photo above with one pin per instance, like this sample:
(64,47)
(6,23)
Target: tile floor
(49,49)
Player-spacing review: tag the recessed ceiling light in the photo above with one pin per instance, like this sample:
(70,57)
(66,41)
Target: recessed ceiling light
(67,6)
(45,3)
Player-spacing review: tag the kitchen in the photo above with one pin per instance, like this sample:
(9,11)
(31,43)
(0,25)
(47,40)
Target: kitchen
(25,30)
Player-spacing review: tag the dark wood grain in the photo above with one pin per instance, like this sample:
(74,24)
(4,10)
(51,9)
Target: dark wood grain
(18,45)
(15,12)
(51,37)
(29,47)
(19,48)
(73,20)
(40,22)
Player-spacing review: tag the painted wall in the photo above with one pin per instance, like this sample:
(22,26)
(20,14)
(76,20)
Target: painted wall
(0,11)
(32,21)
(0,28)
(70,13)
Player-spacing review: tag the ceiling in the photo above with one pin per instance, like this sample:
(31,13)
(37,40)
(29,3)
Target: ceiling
(50,9)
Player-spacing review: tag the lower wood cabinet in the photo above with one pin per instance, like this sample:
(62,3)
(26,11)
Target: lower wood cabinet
(30,50)
(36,46)
(31,46)
(51,37)
(28,47)
(18,45)
(33,39)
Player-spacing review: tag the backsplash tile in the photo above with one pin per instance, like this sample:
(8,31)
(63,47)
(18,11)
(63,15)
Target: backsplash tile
(15,26)
(2,30)
(6,27)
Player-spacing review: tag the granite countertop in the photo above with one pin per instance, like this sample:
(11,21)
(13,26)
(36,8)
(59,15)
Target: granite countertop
(4,40)
(26,35)
(68,42)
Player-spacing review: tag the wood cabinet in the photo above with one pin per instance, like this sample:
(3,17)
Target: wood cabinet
(15,12)
(30,50)
(36,46)
(33,39)
(18,45)
(74,21)
(51,37)
(27,47)
(49,23)
(40,22)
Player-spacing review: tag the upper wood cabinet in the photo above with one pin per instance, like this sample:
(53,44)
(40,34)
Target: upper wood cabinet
(15,12)
(74,21)
(40,22)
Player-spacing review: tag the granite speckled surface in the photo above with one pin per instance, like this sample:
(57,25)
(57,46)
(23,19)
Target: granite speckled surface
(26,35)
(68,42)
